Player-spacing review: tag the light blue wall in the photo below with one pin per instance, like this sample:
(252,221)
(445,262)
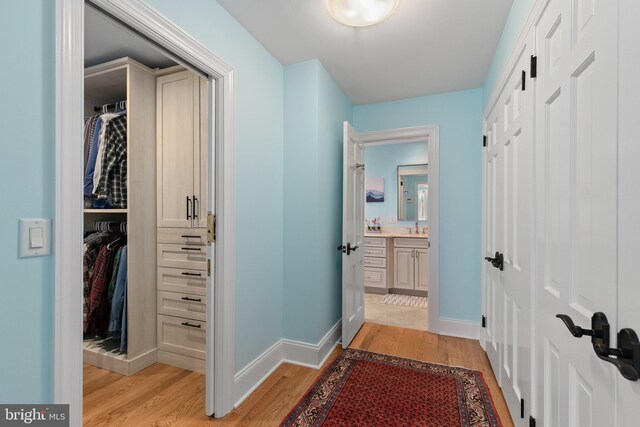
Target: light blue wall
(315,109)
(259,169)
(520,10)
(300,198)
(459,115)
(26,186)
(382,162)
(334,109)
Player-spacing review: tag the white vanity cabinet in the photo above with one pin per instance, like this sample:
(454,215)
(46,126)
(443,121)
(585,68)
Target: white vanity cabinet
(411,264)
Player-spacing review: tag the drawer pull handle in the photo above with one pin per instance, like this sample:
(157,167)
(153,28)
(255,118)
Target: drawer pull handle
(189,236)
(192,299)
(191,325)
(191,249)
(191,274)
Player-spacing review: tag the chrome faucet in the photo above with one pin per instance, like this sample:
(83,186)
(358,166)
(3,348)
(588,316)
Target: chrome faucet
(417,231)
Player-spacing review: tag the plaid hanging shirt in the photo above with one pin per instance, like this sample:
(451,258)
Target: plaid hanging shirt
(113,176)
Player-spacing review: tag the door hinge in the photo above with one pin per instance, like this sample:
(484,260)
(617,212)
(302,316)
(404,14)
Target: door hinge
(211,228)
(532,422)
(484,140)
(208,268)
(522,408)
(524,80)
(534,67)
(484,321)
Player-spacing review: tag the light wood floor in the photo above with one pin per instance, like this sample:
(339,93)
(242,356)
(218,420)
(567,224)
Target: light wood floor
(162,395)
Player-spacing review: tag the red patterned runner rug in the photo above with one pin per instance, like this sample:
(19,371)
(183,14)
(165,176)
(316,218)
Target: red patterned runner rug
(361,388)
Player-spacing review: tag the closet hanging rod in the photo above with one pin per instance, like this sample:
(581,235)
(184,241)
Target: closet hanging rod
(120,104)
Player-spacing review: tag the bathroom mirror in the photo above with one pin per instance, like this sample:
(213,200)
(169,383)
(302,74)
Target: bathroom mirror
(413,192)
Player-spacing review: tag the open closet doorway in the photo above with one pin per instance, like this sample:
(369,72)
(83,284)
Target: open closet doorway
(390,213)
(150,163)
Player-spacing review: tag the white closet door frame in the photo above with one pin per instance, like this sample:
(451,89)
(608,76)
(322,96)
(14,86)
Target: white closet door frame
(67,383)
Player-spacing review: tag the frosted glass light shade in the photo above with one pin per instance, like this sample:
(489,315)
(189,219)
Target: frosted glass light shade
(361,13)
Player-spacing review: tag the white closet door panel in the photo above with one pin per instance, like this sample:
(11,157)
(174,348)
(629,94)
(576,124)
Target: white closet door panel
(576,206)
(177,101)
(517,237)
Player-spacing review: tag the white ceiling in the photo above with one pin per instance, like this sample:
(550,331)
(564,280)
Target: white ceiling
(426,47)
(106,40)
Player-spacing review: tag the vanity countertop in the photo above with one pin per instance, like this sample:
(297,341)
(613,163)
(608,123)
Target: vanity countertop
(412,236)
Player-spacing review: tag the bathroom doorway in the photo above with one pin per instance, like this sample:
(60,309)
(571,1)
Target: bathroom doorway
(390,211)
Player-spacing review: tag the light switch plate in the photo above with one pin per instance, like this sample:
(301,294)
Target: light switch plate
(35,232)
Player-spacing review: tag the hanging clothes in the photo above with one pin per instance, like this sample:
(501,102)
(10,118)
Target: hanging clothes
(92,245)
(99,153)
(117,322)
(113,172)
(99,311)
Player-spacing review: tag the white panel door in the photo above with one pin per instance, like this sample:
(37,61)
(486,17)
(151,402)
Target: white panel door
(515,184)
(494,294)
(403,268)
(352,236)
(576,206)
(629,202)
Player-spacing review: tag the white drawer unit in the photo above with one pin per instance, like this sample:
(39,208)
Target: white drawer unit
(182,305)
(181,236)
(182,336)
(182,256)
(375,262)
(193,282)
(375,251)
(375,241)
(411,242)
(375,277)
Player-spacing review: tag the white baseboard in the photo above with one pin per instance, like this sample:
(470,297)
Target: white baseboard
(283,351)
(252,375)
(312,355)
(459,328)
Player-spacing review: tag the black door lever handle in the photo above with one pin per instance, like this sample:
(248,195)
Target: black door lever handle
(576,331)
(497,261)
(626,358)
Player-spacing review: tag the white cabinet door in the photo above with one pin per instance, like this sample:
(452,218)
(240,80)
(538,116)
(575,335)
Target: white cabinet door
(352,235)
(422,270)
(576,207)
(178,136)
(404,274)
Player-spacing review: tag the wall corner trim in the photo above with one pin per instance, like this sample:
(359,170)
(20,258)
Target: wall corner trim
(284,351)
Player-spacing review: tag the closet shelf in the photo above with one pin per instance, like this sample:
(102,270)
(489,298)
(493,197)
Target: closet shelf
(107,211)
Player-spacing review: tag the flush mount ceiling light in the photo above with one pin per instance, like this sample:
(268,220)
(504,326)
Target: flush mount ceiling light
(361,13)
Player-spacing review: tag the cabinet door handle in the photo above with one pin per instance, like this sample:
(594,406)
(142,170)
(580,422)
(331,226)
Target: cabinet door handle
(188,203)
(190,236)
(195,208)
(191,249)
(191,325)
(192,299)
(191,274)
